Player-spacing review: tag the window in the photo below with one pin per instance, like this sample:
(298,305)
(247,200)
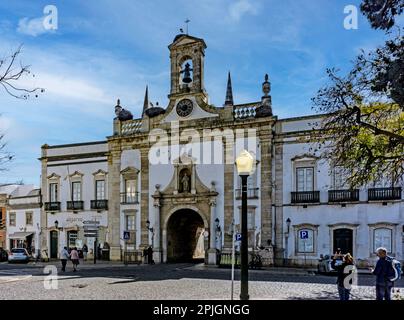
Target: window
(338,178)
(100,189)
(305,179)
(76,191)
(71,238)
(53,192)
(130,223)
(305,245)
(12,219)
(383,238)
(130,189)
(28,218)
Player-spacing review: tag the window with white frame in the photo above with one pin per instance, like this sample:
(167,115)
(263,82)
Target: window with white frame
(305,179)
(382,238)
(11,219)
(130,189)
(338,178)
(305,245)
(53,192)
(76,191)
(100,189)
(28,218)
(130,223)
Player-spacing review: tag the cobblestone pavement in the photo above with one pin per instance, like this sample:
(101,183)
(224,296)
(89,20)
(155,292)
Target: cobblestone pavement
(179,281)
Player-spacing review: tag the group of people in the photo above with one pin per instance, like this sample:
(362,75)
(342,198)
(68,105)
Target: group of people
(345,266)
(73,255)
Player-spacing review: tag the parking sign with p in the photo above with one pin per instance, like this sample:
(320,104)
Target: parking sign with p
(304,234)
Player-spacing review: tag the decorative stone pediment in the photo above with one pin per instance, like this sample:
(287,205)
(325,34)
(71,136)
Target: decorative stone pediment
(130,173)
(305,157)
(53,176)
(100,173)
(76,174)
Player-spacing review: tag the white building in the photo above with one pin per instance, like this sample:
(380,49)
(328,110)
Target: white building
(168,180)
(23,219)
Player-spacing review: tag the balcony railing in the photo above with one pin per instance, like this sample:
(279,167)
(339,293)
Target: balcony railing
(99,204)
(130,197)
(252,193)
(343,195)
(52,206)
(306,197)
(380,194)
(75,205)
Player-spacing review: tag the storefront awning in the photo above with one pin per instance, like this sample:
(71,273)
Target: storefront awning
(19,235)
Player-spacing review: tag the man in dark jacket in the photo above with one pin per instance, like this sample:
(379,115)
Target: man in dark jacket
(382,272)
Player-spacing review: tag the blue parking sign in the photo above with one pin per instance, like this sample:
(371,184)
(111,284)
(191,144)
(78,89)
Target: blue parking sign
(126,235)
(238,236)
(304,234)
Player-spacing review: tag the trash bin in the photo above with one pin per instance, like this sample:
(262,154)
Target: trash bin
(105,254)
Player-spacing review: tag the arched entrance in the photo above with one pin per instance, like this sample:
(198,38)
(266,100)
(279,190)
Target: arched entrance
(185,237)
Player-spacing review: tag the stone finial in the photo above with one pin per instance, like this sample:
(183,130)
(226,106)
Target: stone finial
(229,92)
(266,86)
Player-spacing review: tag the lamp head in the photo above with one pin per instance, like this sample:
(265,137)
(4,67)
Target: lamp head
(147,224)
(244,163)
(56,224)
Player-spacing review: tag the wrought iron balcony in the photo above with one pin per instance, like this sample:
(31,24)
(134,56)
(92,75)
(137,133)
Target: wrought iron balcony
(252,193)
(99,204)
(343,195)
(75,205)
(130,197)
(381,194)
(52,206)
(306,197)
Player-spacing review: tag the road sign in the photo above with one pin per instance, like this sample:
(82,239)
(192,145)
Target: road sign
(126,235)
(304,234)
(238,236)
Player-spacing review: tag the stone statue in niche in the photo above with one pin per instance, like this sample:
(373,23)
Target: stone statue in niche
(185,183)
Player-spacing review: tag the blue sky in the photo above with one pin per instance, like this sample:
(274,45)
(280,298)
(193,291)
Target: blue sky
(104,50)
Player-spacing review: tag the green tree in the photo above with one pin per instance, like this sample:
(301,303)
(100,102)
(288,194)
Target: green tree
(363,126)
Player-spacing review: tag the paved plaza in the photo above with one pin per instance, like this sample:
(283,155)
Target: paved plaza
(169,281)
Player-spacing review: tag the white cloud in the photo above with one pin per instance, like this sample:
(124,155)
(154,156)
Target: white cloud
(240,8)
(32,27)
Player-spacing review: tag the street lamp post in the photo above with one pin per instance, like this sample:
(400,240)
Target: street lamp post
(244,163)
(288,221)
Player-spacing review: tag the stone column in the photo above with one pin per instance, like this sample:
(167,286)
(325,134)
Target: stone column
(156,227)
(144,197)
(212,254)
(279,247)
(228,196)
(266,185)
(114,188)
(43,245)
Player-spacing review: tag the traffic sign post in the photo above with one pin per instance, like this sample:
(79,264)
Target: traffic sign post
(304,235)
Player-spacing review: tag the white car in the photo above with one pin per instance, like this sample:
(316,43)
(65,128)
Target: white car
(18,255)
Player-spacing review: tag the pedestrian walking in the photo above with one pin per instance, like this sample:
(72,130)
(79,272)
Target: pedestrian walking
(344,265)
(64,256)
(85,251)
(74,256)
(383,272)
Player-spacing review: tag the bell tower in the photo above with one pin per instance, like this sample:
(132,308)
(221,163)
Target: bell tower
(187,58)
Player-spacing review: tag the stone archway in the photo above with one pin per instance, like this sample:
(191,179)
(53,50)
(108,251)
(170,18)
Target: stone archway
(185,236)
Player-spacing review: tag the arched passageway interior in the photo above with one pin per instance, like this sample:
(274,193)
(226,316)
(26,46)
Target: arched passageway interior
(185,237)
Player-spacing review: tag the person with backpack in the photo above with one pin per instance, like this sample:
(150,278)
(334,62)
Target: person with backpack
(387,271)
(344,271)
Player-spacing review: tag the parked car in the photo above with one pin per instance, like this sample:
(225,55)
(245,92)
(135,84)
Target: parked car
(3,255)
(18,255)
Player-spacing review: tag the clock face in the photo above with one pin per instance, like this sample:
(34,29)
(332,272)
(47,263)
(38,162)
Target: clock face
(184,107)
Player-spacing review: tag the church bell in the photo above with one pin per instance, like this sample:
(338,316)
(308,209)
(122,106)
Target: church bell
(187,74)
